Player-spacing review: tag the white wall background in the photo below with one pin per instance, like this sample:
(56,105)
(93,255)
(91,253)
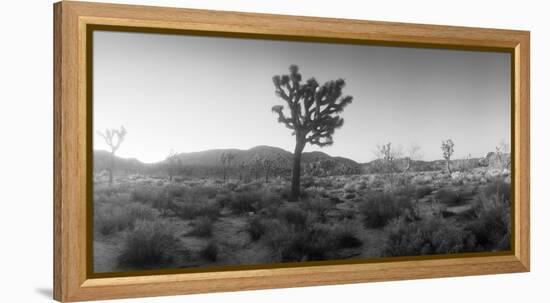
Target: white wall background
(26,149)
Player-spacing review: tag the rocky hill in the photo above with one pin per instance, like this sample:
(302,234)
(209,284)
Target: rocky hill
(210,160)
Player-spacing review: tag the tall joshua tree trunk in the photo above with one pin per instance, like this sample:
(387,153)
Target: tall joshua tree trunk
(296,168)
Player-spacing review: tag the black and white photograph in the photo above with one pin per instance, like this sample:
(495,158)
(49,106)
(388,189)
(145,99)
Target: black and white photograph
(221,151)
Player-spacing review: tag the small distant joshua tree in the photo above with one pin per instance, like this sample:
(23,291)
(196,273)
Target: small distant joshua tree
(272,165)
(313,114)
(393,162)
(172,164)
(241,167)
(414,154)
(227,161)
(113,138)
(268,165)
(388,155)
(502,151)
(448,149)
(256,165)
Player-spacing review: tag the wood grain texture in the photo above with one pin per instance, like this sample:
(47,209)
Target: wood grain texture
(70,145)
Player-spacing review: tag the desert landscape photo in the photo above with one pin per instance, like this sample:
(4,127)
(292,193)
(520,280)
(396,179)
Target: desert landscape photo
(212,151)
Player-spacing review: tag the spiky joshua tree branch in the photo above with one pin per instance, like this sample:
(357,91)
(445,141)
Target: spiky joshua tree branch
(311,112)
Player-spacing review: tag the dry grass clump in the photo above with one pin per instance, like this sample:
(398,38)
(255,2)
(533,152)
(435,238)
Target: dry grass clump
(378,209)
(109,219)
(149,245)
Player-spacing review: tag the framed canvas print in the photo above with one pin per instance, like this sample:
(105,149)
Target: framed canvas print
(202,151)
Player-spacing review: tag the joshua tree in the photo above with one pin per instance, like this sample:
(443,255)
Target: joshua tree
(281,165)
(387,155)
(502,154)
(313,114)
(113,138)
(448,148)
(172,164)
(256,165)
(268,165)
(414,153)
(227,160)
(241,167)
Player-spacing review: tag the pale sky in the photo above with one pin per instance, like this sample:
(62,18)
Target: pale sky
(186,93)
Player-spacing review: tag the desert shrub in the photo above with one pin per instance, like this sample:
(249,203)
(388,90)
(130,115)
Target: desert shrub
(208,191)
(293,216)
(434,236)
(449,197)
(379,208)
(210,251)
(202,227)
(316,192)
(346,236)
(192,210)
(115,218)
(318,207)
(309,243)
(244,202)
(307,181)
(107,221)
(158,198)
(304,193)
(200,193)
(114,198)
(498,191)
(407,191)
(162,202)
(422,191)
(492,229)
(256,227)
(149,245)
(223,199)
(107,194)
(347,214)
(247,187)
(180,179)
(492,222)
(312,244)
(291,245)
(268,200)
(349,188)
(174,191)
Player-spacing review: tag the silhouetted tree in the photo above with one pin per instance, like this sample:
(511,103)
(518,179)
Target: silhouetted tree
(268,165)
(313,114)
(173,164)
(388,155)
(113,138)
(282,166)
(414,154)
(256,165)
(448,149)
(227,160)
(241,167)
(503,154)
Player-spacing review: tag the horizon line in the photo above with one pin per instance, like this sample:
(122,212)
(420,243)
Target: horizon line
(256,146)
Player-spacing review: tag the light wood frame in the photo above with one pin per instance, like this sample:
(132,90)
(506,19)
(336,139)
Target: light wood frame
(71,143)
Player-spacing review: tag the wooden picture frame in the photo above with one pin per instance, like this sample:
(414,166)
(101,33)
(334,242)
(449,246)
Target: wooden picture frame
(72,24)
